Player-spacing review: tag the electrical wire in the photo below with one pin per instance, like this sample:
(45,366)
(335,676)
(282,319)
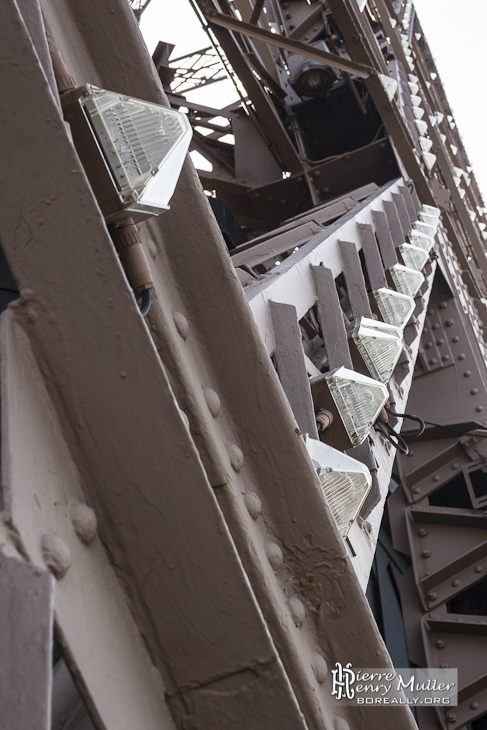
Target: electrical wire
(396,439)
(145,303)
(454,430)
(410,417)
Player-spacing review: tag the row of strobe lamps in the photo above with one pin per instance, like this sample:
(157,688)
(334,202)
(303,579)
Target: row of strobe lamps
(359,398)
(435,119)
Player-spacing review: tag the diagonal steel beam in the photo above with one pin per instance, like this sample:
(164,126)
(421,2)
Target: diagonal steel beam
(288,44)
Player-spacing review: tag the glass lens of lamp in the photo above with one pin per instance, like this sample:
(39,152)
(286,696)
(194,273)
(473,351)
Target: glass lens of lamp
(414,257)
(144,145)
(407,281)
(380,346)
(345,482)
(359,400)
(395,308)
(416,238)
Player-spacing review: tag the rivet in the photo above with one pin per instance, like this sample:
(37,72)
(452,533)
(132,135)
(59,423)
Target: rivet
(440,342)
(411,453)
(455,465)
(455,583)
(416,490)
(455,339)
(432,596)
(474,705)
(479,569)
(297,611)
(444,665)
(430,312)
(84,521)
(212,401)
(340,724)
(422,532)
(445,358)
(474,391)
(428,346)
(253,504)
(449,323)
(461,356)
(467,373)
(440,643)
(433,361)
(274,555)
(426,553)
(443,305)
(319,666)
(451,717)
(182,324)
(236,456)
(435,326)
(56,555)
(436,478)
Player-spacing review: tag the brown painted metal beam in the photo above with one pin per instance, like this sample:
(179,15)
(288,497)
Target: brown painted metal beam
(363,47)
(291,366)
(26,618)
(288,44)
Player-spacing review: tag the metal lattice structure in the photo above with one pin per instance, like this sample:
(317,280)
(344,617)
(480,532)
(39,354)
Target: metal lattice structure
(167,553)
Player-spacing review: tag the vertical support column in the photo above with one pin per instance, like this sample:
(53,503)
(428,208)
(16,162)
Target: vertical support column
(386,245)
(26,615)
(410,205)
(352,270)
(331,319)
(373,261)
(394,222)
(291,366)
(405,220)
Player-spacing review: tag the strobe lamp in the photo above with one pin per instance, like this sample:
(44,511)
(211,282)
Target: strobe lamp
(310,78)
(395,308)
(132,150)
(407,281)
(414,257)
(345,482)
(416,238)
(380,346)
(358,399)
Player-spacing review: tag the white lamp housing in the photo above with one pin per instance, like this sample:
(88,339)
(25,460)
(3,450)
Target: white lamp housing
(395,308)
(416,238)
(414,257)
(431,220)
(380,346)
(425,228)
(345,481)
(421,126)
(413,88)
(425,144)
(407,281)
(389,84)
(143,146)
(418,112)
(359,400)
(431,210)
(429,160)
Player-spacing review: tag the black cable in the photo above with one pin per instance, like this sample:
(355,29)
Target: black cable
(410,417)
(456,430)
(145,296)
(393,437)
